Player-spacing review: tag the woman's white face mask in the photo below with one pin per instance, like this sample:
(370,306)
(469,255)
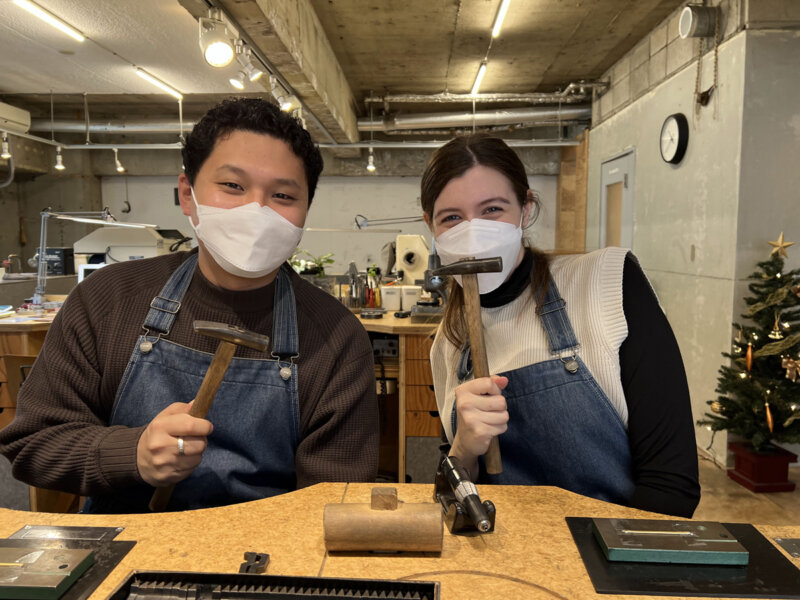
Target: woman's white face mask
(482,238)
(248,240)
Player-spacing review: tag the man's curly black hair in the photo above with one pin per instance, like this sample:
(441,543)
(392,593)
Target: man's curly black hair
(258,116)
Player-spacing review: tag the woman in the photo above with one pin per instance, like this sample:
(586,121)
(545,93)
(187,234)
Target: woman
(590,393)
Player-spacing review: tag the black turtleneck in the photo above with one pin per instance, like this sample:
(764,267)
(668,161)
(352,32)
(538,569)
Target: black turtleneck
(660,422)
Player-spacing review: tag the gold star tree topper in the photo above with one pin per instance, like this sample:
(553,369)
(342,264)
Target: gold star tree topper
(780,247)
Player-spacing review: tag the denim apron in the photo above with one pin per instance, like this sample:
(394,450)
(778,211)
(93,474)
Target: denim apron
(251,452)
(562,429)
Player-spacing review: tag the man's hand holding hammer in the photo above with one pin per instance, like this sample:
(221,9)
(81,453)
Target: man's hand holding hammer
(172,445)
(482,416)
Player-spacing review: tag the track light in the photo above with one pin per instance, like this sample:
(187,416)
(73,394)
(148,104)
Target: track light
(237,80)
(120,168)
(371,161)
(284,100)
(6,154)
(215,41)
(501,14)
(479,78)
(245,58)
(50,19)
(59,166)
(158,83)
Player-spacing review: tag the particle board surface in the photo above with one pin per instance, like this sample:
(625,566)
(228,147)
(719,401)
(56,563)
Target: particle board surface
(531,554)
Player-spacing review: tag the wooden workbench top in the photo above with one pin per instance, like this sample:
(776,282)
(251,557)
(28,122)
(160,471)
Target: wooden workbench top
(530,554)
(391,324)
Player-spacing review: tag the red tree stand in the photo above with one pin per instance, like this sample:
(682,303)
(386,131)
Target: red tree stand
(765,471)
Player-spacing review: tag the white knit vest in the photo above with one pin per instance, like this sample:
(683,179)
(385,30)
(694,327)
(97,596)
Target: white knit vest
(591,285)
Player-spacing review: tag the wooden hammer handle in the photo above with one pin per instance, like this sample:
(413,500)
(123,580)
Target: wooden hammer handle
(480,362)
(200,407)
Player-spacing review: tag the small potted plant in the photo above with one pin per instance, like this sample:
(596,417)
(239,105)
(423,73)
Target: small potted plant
(312,268)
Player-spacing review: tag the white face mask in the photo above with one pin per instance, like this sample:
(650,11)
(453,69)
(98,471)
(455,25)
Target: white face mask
(482,238)
(248,240)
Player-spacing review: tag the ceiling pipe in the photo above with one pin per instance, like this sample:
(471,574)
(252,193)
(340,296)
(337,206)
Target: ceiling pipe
(510,116)
(133,126)
(574,92)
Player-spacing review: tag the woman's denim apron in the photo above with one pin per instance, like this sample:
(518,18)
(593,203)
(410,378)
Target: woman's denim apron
(251,452)
(562,429)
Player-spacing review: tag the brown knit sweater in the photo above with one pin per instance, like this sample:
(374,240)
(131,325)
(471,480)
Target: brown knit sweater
(60,438)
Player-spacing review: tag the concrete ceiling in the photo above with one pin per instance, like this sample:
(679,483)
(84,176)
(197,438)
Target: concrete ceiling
(332,53)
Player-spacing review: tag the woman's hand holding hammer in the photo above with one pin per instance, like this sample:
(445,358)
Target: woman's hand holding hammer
(172,445)
(482,415)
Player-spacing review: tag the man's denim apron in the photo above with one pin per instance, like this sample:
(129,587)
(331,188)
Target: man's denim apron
(562,429)
(251,452)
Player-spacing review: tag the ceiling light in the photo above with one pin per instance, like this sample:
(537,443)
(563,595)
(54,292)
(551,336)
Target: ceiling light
(6,153)
(237,80)
(498,20)
(245,58)
(120,168)
(215,41)
(479,78)
(286,103)
(50,19)
(158,83)
(371,161)
(284,100)
(59,166)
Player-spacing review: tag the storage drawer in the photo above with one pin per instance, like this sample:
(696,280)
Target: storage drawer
(419,346)
(423,423)
(420,397)
(418,372)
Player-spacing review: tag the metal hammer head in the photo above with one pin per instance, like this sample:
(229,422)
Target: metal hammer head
(234,335)
(470,266)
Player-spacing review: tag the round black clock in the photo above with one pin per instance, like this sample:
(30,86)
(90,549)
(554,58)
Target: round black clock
(674,138)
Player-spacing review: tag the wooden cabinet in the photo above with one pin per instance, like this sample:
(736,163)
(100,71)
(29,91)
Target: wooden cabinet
(422,417)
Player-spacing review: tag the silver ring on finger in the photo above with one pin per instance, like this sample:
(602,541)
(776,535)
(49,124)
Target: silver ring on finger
(181,447)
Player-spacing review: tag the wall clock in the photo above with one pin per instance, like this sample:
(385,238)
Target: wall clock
(674,138)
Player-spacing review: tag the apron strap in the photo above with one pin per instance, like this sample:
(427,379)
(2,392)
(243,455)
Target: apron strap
(285,341)
(164,307)
(553,312)
(556,323)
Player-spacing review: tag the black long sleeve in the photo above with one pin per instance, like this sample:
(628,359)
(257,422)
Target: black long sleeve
(660,423)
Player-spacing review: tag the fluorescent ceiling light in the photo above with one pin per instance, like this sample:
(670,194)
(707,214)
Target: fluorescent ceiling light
(158,83)
(50,19)
(479,78)
(215,41)
(498,20)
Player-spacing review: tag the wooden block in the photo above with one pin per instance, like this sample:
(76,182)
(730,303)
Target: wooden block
(361,528)
(384,498)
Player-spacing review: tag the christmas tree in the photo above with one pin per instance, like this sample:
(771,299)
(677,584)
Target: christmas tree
(759,392)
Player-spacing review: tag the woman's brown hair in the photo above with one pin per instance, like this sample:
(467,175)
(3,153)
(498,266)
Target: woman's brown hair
(453,160)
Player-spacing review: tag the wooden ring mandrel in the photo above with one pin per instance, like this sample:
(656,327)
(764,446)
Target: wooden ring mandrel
(384,525)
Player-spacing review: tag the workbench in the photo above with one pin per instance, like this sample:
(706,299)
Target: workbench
(530,554)
(417,411)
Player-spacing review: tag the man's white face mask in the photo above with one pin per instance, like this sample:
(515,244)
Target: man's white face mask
(482,238)
(248,240)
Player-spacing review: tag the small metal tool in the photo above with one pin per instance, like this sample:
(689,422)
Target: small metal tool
(462,508)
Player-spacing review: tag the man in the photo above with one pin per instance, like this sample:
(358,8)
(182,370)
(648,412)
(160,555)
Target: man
(105,410)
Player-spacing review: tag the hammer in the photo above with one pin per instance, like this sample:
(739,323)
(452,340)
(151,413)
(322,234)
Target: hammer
(229,337)
(468,269)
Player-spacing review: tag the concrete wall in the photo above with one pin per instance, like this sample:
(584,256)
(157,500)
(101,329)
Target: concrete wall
(685,215)
(337,201)
(700,227)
